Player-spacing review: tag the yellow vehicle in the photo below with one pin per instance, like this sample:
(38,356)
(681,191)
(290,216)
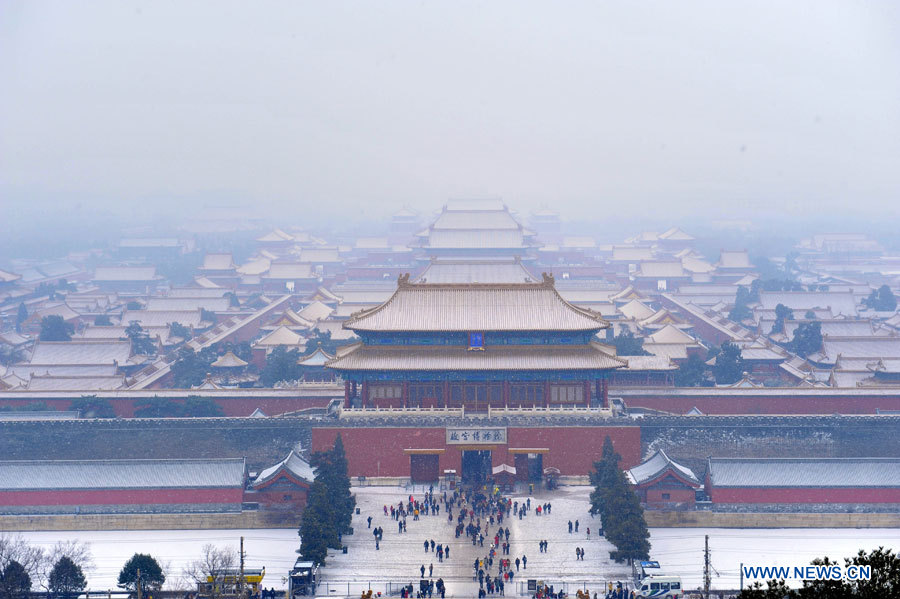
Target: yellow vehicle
(228,583)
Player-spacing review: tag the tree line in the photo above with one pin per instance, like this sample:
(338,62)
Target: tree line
(61,570)
(884,581)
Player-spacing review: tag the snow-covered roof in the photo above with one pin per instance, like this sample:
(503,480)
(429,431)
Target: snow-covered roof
(293,464)
(804,472)
(656,465)
(318,358)
(81,352)
(229,360)
(280,336)
(734,259)
(125,273)
(315,311)
(221,261)
(671,334)
(121,474)
(636,310)
(213,304)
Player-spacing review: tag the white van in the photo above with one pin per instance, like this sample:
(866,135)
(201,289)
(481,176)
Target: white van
(662,587)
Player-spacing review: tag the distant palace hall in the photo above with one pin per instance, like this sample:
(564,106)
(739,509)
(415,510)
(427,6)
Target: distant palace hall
(475,346)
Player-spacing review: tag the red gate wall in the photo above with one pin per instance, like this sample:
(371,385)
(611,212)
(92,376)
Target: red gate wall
(573,450)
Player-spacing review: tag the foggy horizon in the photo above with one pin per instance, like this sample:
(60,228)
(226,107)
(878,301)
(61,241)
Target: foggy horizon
(327,113)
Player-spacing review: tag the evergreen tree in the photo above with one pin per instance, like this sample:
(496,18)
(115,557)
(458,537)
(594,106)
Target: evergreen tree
(21,315)
(331,469)
(54,328)
(782,313)
(152,576)
(754,291)
(157,407)
(322,339)
(629,345)
(92,406)
(603,477)
(882,300)
(619,507)
(774,589)
(317,531)
(195,406)
(626,528)
(741,310)
(691,373)
(66,580)
(281,365)
(179,330)
(140,339)
(807,339)
(15,583)
(729,366)
(102,320)
(191,368)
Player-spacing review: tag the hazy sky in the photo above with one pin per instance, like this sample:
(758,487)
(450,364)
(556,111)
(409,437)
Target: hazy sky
(356,108)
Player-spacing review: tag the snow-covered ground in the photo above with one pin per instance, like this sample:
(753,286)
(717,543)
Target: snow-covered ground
(680,551)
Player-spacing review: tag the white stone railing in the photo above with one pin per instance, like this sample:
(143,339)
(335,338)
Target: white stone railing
(491,412)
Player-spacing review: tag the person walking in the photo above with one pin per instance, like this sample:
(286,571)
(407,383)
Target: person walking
(426,546)
(576,526)
(570,527)
(524,563)
(430,569)
(517,564)
(369,522)
(422,570)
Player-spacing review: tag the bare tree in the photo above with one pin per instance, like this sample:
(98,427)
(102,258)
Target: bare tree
(14,548)
(209,572)
(78,552)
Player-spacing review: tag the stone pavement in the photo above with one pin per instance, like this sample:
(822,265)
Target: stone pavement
(401,556)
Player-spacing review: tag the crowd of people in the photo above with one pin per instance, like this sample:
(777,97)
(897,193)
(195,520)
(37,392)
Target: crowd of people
(482,517)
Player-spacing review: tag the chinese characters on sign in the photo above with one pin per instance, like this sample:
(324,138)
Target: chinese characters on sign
(470,435)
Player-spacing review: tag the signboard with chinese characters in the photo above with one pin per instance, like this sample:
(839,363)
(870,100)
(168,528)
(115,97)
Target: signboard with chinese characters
(474,435)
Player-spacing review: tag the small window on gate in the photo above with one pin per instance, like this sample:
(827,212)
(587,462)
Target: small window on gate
(666,495)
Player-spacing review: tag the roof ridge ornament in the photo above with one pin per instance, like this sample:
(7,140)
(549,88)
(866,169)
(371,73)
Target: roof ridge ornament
(403,280)
(548,280)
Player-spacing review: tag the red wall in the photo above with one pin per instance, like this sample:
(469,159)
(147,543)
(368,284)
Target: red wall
(738,403)
(655,496)
(379,451)
(803,495)
(234,407)
(121,496)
